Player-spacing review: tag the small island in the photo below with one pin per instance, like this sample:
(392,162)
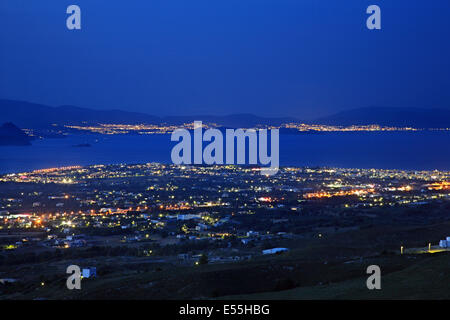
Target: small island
(82,145)
(11,135)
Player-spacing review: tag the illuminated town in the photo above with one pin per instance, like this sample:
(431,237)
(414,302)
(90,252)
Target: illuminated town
(199,202)
(175,216)
(111,129)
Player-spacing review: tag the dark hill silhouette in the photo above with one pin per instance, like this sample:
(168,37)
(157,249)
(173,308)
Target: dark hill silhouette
(11,135)
(243,120)
(36,116)
(414,117)
(32,115)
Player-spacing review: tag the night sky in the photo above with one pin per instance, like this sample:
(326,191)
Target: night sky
(301,58)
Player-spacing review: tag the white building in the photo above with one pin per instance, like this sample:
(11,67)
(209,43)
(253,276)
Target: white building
(252,233)
(201,227)
(275,250)
(90,272)
(445,243)
(188,216)
(7,280)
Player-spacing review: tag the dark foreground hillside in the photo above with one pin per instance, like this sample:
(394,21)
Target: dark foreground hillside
(428,279)
(330,268)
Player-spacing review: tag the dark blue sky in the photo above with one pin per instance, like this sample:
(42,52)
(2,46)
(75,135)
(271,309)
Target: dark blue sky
(302,58)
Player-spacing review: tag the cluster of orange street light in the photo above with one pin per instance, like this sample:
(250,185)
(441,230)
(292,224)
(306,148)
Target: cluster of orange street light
(56,169)
(444,185)
(342,193)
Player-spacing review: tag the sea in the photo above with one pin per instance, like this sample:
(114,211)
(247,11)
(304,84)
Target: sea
(419,150)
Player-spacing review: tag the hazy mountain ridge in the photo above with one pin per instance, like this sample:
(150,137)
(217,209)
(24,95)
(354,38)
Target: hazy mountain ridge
(243,120)
(385,116)
(32,115)
(11,135)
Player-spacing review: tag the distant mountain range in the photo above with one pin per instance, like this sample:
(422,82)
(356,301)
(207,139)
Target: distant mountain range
(243,120)
(400,117)
(32,115)
(36,116)
(10,135)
